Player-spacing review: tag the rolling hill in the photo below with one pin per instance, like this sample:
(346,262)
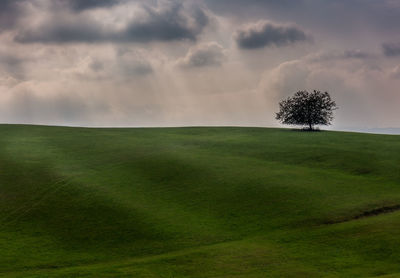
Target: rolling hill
(198,202)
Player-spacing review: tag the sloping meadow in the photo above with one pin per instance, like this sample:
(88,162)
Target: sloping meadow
(197,202)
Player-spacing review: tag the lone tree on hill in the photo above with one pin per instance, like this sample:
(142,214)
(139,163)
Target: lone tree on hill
(307,109)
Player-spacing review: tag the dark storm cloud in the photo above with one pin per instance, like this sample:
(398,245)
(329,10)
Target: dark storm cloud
(265,34)
(391,49)
(172,22)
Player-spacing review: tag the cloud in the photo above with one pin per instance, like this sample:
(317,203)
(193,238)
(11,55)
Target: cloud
(63,30)
(10,11)
(238,6)
(119,65)
(381,16)
(204,55)
(339,55)
(356,54)
(12,65)
(391,49)
(266,34)
(395,73)
(132,63)
(170,21)
(80,5)
(138,68)
(73,54)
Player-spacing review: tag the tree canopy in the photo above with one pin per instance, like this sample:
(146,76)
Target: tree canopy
(307,109)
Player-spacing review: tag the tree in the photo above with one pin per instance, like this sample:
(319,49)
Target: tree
(307,109)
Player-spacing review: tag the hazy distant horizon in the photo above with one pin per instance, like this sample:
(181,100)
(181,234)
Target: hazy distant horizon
(388,131)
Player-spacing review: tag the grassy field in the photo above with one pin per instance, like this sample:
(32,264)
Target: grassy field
(198,202)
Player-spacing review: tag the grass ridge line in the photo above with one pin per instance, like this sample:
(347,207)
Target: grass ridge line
(368,213)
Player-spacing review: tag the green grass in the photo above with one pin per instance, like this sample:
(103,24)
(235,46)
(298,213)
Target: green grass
(197,202)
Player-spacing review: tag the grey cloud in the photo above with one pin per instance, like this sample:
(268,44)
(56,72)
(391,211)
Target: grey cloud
(395,73)
(12,65)
(169,23)
(10,12)
(391,49)
(265,34)
(356,54)
(211,54)
(140,68)
(235,6)
(166,25)
(349,18)
(96,66)
(80,5)
(132,63)
(340,55)
(63,30)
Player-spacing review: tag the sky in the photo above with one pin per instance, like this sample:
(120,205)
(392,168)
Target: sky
(196,62)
